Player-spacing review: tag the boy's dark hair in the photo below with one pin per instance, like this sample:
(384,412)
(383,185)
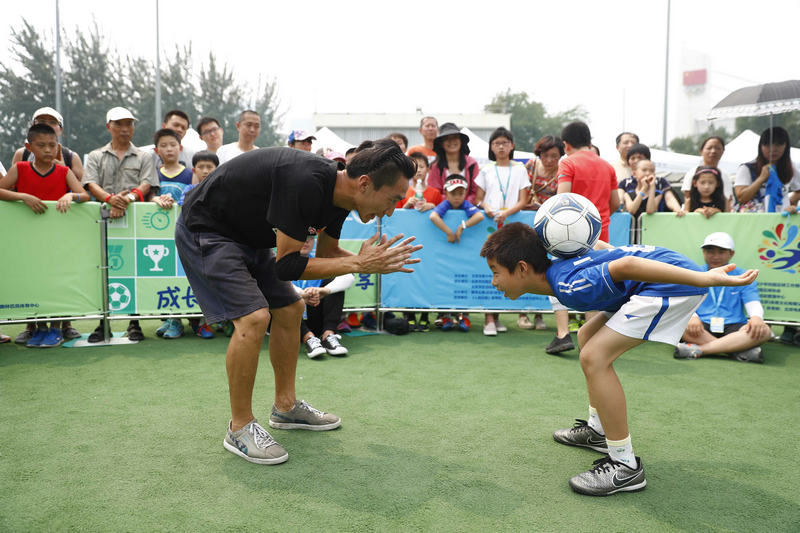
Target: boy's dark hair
(619,137)
(350,151)
(205,121)
(248,112)
(718,196)
(546,143)
(166,132)
(177,113)
(783,165)
(39,129)
(516,242)
(496,134)
(400,136)
(419,156)
(638,148)
(205,155)
(596,150)
(577,134)
(382,161)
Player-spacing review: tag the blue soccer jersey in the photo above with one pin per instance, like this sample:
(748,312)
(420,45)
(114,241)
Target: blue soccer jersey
(728,302)
(174,185)
(583,283)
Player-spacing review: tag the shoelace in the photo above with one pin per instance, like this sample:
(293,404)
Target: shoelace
(314,342)
(579,424)
(604,464)
(333,340)
(262,438)
(307,407)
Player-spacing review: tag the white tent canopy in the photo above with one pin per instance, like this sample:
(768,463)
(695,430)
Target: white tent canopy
(326,139)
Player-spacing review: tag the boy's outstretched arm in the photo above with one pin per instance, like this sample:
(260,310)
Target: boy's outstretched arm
(641,269)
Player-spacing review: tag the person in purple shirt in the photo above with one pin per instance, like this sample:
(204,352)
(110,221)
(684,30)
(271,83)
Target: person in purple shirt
(645,293)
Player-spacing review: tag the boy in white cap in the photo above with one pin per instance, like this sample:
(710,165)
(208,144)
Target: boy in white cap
(65,156)
(719,326)
(301,140)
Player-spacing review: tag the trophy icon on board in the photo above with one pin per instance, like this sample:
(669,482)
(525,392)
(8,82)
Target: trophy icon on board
(156,252)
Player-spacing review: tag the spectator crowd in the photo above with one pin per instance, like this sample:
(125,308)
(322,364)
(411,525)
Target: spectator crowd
(448,177)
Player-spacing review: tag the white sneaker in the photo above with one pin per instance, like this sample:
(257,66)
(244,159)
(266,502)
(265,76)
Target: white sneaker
(332,345)
(500,327)
(490,330)
(314,347)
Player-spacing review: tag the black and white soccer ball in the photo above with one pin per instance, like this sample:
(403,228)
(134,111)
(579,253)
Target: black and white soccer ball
(568,224)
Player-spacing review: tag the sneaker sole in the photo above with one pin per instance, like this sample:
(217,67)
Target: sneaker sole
(315,353)
(588,446)
(310,427)
(236,451)
(631,488)
(337,353)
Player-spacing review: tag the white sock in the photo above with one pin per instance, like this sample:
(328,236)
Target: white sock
(622,451)
(594,421)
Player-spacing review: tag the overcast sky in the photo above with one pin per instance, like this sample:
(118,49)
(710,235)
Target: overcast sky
(607,56)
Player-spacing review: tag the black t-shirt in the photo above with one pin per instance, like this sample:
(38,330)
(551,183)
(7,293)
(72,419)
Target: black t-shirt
(254,194)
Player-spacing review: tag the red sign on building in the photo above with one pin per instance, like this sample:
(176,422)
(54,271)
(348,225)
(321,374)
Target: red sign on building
(694,77)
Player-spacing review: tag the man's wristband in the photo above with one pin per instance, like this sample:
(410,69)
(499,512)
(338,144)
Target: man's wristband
(139,194)
(77,197)
(108,198)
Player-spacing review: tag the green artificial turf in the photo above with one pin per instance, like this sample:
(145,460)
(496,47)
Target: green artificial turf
(441,432)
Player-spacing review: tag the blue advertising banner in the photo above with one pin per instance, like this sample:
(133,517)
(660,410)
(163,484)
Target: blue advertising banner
(454,275)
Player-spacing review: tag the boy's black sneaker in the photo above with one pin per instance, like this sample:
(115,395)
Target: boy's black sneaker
(608,476)
(558,345)
(581,434)
(135,331)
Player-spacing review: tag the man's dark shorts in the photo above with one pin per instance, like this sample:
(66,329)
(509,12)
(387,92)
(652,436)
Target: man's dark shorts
(726,330)
(230,279)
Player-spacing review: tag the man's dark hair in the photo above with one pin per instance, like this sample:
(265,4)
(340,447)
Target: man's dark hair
(350,151)
(177,113)
(166,132)
(423,119)
(399,136)
(619,137)
(383,161)
(516,242)
(40,129)
(496,134)
(204,122)
(419,156)
(205,155)
(248,112)
(638,148)
(577,135)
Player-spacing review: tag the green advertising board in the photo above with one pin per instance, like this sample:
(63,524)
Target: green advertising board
(768,242)
(364,292)
(51,264)
(145,276)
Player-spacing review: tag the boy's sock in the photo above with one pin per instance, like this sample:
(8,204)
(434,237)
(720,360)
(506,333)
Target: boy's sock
(622,451)
(594,421)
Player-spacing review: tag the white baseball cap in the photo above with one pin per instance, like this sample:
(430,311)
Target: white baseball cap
(48,111)
(118,113)
(720,239)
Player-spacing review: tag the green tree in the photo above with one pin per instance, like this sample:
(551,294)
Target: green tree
(530,120)
(690,144)
(789,121)
(96,78)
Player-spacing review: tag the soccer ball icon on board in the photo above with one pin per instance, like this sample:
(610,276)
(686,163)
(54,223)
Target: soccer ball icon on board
(118,296)
(568,224)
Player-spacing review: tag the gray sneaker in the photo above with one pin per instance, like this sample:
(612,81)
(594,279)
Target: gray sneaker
(558,345)
(686,351)
(303,416)
(253,443)
(581,434)
(753,355)
(24,336)
(608,477)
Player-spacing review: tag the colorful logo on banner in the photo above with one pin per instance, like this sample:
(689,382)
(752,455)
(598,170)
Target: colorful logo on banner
(781,248)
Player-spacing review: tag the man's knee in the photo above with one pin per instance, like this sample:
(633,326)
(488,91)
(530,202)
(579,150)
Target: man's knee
(254,323)
(591,360)
(288,315)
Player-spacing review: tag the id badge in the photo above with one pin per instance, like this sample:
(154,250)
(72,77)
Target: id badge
(717,324)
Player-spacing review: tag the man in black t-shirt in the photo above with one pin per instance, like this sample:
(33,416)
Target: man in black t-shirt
(271,198)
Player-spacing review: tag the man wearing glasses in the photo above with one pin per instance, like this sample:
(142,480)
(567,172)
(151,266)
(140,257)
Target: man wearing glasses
(211,132)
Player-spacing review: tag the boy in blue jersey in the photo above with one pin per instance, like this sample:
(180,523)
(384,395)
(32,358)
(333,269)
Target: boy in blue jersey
(173,176)
(645,293)
(720,325)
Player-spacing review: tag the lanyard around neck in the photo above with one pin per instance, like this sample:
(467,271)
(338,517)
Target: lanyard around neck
(503,190)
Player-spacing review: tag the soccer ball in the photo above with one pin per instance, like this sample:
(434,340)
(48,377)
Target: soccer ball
(118,296)
(568,224)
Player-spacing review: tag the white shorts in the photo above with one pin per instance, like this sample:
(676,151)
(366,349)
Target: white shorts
(556,305)
(655,318)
